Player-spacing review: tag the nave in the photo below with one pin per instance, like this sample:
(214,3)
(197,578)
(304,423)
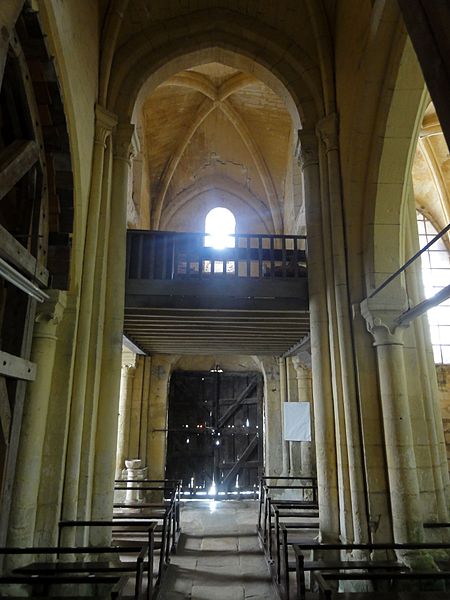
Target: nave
(218,554)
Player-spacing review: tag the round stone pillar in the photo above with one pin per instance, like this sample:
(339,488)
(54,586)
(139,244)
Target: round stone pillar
(108,404)
(302,366)
(104,124)
(123,433)
(320,348)
(283,398)
(350,423)
(399,440)
(29,458)
(273,456)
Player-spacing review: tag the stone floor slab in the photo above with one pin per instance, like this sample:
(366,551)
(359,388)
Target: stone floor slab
(219,556)
(210,592)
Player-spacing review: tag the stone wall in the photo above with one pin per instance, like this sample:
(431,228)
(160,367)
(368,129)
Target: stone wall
(443,377)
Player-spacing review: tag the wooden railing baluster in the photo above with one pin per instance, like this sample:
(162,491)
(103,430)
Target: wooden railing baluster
(161,255)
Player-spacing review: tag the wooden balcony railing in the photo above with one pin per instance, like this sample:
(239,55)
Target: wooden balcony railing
(163,255)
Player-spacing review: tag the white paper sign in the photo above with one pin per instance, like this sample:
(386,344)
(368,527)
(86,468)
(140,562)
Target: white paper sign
(297,422)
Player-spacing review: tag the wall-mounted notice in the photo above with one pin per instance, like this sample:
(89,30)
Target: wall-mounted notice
(297,422)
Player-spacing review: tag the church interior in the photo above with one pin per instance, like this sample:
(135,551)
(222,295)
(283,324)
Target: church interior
(225,263)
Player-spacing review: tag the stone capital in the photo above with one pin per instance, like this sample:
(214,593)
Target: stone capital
(306,149)
(49,315)
(128,371)
(302,361)
(105,121)
(123,141)
(381,322)
(328,131)
(51,311)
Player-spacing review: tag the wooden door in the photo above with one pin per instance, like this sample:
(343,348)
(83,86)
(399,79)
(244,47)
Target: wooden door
(215,431)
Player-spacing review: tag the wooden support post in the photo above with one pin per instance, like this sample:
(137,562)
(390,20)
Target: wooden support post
(15,162)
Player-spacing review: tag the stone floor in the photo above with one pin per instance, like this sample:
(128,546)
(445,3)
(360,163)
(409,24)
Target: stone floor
(218,556)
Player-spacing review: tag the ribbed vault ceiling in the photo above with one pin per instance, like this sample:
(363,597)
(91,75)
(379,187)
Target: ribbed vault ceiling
(214,135)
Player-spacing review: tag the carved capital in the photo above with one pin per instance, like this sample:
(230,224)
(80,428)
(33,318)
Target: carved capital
(328,131)
(306,149)
(123,141)
(302,361)
(105,122)
(128,371)
(381,322)
(50,313)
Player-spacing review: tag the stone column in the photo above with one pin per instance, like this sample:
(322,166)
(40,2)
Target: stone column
(320,349)
(123,433)
(283,398)
(295,454)
(302,365)
(29,459)
(273,456)
(108,404)
(146,363)
(399,442)
(104,125)
(157,416)
(328,130)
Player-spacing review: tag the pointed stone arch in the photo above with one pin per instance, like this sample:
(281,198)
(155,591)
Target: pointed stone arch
(222,35)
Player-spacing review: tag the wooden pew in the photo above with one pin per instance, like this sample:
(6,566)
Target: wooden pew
(82,572)
(173,485)
(283,513)
(168,511)
(267,493)
(150,527)
(327,593)
(393,567)
(44,580)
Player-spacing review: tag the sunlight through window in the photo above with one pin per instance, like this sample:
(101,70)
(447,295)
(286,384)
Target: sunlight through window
(220,226)
(436,275)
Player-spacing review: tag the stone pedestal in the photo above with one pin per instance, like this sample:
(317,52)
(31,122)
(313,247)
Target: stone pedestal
(133,473)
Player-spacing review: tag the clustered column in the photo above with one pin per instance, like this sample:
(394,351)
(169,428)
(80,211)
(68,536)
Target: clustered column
(320,350)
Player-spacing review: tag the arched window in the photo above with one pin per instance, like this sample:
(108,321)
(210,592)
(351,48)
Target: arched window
(220,226)
(435,276)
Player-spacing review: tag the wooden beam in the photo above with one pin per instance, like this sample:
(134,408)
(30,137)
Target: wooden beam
(5,410)
(240,463)
(15,162)
(227,316)
(16,424)
(19,368)
(234,407)
(244,287)
(250,304)
(13,252)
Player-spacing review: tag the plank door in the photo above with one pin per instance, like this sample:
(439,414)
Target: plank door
(215,431)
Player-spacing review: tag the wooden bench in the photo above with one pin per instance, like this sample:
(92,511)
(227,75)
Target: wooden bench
(334,566)
(173,486)
(150,528)
(264,524)
(281,513)
(168,511)
(327,593)
(286,509)
(117,583)
(83,572)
